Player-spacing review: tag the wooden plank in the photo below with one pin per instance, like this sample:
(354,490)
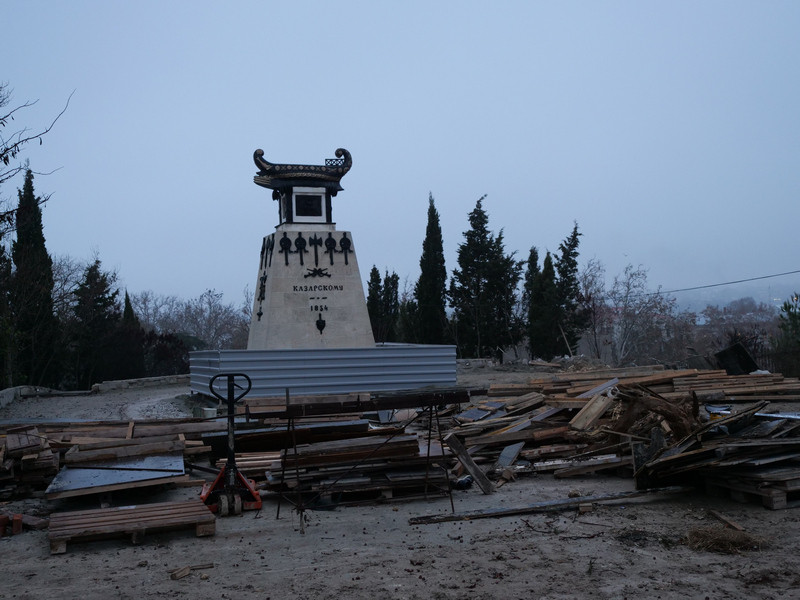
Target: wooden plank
(469,464)
(180,573)
(546,506)
(530,400)
(592,465)
(599,389)
(117,452)
(92,444)
(526,435)
(565,402)
(592,412)
(729,522)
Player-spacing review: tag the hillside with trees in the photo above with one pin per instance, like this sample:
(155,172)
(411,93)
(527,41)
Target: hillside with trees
(68,324)
(551,306)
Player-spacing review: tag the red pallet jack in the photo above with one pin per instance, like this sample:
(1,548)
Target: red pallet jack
(231,492)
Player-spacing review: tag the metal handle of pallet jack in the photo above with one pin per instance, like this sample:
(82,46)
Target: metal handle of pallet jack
(231,383)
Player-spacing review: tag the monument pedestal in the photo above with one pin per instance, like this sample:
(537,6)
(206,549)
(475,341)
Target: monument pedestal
(309,292)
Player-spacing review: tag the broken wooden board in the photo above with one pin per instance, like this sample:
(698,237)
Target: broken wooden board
(469,464)
(134,521)
(23,440)
(595,408)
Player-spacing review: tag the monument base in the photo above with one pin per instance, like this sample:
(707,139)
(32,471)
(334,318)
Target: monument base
(309,292)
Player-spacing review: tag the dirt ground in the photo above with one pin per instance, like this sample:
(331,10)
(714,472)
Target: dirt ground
(631,549)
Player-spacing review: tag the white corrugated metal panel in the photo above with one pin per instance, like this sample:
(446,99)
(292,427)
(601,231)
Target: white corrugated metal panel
(389,367)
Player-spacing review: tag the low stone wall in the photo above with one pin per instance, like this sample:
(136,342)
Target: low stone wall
(123,384)
(10,395)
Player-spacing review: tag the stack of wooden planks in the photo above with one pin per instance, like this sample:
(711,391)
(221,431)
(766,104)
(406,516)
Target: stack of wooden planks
(667,383)
(27,460)
(30,456)
(371,468)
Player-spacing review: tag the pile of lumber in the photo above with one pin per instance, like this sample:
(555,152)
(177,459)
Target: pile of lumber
(32,456)
(378,467)
(676,383)
(536,433)
(26,460)
(748,455)
(647,422)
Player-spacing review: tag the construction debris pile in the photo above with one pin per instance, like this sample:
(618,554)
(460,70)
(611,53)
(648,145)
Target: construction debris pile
(661,427)
(74,459)
(656,425)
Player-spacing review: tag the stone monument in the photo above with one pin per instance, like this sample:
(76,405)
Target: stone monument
(309,292)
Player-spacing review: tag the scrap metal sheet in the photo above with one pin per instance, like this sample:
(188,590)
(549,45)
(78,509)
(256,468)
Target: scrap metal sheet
(134,472)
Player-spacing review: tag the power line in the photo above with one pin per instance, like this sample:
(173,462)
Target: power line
(702,287)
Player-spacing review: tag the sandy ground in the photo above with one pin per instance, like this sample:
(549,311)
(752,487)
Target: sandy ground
(632,549)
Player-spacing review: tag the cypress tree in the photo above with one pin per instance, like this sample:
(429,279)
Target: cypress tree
(97,317)
(35,323)
(128,316)
(383,305)
(430,291)
(544,336)
(532,275)
(483,290)
(389,307)
(128,355)
(6,321)
(572,319)
(374,304)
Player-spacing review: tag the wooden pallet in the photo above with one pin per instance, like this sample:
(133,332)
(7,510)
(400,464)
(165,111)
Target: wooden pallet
(135,521)
(772,497)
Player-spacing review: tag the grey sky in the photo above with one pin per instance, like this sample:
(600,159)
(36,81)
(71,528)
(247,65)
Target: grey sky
(669,131)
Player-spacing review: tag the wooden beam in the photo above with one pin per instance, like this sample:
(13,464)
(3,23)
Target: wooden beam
(80,456)
(546,506)
(463,456)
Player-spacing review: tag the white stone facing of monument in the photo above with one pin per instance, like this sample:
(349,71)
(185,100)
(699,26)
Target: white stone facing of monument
(309,292)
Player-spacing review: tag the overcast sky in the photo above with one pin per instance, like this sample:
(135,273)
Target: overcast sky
(669,131)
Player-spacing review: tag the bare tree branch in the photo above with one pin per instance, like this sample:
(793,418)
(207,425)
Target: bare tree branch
(11,147)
